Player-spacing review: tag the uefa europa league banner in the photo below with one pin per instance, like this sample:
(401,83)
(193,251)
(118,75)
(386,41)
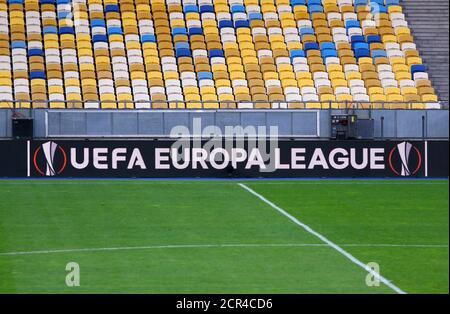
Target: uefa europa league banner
(219,158)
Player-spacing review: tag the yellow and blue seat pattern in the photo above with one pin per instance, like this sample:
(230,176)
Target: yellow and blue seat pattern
(208,54)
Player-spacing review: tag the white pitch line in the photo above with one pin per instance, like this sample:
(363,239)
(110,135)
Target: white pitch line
(325,240)
(138,181)
(353,182)
(398,245)
(200,246)
(151,247)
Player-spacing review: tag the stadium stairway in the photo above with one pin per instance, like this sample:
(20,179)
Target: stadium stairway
(428,20)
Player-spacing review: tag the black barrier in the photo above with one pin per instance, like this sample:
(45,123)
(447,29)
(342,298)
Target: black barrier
(223,159)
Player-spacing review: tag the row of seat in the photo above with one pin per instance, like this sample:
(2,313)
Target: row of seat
(176,53)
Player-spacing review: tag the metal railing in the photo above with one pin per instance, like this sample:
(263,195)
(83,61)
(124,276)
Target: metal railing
(208,105)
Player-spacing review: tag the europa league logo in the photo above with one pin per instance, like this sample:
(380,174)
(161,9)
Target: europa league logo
(51,157)
(407,161)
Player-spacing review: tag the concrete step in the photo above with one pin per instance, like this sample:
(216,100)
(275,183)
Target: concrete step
(429,23)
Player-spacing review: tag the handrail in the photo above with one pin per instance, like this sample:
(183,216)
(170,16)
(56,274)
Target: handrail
(213,104)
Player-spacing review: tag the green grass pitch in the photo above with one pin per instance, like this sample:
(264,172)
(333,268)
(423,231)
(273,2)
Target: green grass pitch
(216,237)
